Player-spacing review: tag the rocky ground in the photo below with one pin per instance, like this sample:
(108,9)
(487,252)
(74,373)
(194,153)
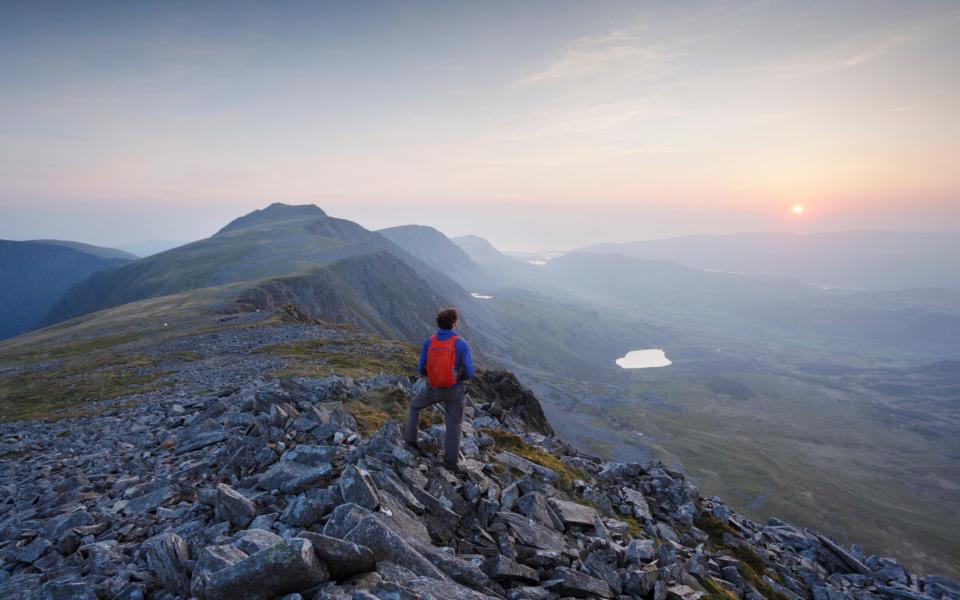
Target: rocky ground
(269,489)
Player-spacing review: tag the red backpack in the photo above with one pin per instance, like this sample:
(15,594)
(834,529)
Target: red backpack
(441,362)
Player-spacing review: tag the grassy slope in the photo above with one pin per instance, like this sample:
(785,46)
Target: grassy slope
(799,451)
(67,369)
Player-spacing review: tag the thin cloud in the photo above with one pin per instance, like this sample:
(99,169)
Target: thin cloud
(622,51)
(862,56)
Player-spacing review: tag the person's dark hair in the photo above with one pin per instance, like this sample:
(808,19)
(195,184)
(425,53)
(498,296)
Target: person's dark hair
(446,318)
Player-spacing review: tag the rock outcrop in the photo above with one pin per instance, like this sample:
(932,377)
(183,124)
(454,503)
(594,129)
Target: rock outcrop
(268,490)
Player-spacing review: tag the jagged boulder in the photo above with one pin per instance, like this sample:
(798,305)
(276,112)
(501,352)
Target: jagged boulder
(509,401)
(286,567)
(343,558)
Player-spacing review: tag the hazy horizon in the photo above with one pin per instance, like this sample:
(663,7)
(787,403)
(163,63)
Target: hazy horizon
(546,125)
(492,232)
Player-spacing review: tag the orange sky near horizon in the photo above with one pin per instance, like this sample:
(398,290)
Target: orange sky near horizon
(645,122)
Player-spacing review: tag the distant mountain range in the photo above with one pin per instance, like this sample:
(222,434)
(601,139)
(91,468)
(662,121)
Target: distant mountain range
(35,274)
(872,260)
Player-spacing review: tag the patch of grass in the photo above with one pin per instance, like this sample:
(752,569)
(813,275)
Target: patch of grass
(714,590)
(751,565)
(349,358)
(81,348)
(186,356)
(380,406)
(39,394)
(633,525)
(513,444)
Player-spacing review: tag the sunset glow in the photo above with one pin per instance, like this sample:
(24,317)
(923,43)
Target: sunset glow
(798,209)
(666,119)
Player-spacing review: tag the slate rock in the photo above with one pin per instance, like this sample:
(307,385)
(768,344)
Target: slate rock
(251,541)
(343,558)
(211,559)
(572,513)
(233,506)
(530,533)
(292,477)
(581,585)
(388,545)
(303,511)
(34,551)
(357,486)
(168,557)
(502,568)
(58,590)
(288,566)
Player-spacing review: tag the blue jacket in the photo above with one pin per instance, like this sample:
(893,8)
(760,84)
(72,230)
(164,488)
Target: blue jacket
(464,361)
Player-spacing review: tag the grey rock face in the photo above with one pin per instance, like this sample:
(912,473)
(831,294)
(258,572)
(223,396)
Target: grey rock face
(343,558)
(502,568)
(581,585)
(288,566)
(234,507)
(293,477)
(210,560)
(251,541)
(168,557)
(387,545)
(572,513)
(357,486)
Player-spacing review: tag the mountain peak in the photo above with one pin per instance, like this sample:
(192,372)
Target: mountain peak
(278,211)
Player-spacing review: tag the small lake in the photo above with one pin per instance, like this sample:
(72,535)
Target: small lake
(644,359)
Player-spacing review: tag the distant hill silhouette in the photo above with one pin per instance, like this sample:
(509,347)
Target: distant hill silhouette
(36,273)
(871,260)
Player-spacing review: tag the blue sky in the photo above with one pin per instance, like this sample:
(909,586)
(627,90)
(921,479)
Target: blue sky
(537,125)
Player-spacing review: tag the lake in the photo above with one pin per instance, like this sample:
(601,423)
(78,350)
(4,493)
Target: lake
(644,359)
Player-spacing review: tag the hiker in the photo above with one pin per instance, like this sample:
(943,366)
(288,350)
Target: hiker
(446,363)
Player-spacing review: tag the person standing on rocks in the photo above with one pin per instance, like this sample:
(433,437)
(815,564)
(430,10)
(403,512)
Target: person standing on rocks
(446,363)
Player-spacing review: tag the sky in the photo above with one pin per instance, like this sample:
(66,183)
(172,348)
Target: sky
(538,125)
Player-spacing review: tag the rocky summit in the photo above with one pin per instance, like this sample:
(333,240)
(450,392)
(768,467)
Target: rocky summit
(301,487)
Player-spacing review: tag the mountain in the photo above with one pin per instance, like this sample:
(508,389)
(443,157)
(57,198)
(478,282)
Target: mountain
(150,247)
(480,250)
(872,260)
(268,462)
(98,251)
(438,251)
(493,261)
(281,254)
(35,274)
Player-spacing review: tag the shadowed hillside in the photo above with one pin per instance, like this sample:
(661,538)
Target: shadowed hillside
(35,275)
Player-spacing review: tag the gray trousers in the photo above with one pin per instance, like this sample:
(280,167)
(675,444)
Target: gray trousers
(452,399)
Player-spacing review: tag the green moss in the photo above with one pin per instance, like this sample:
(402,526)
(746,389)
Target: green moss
(380,406)
(751,564)
(714,590)
(41,393)
(349,358)
(79,349)
(513,444)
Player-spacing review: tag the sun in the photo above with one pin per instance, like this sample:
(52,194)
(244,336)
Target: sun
(798,209)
